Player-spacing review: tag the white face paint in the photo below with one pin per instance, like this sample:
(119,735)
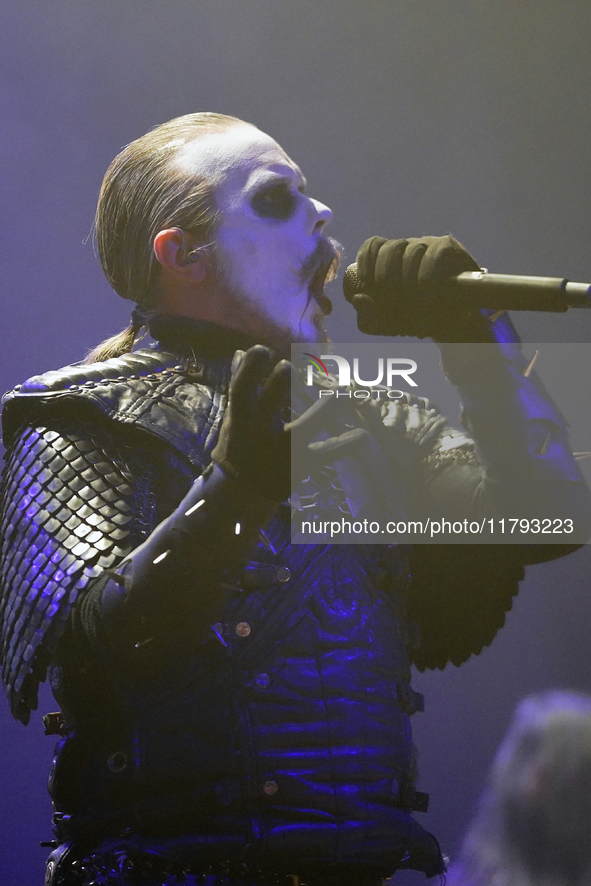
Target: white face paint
(268,232)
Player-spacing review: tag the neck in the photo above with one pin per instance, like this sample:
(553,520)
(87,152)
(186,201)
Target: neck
(189,336)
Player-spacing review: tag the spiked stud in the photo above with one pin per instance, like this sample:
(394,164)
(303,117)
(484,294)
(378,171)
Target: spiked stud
(544,447)
(530,365)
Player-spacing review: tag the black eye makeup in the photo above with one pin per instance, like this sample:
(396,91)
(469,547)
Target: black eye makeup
(275,201)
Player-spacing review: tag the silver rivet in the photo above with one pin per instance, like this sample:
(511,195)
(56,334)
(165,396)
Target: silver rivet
(243,629)
(270,787)
(117,762)
(262,681)
(195,369)
(283,573)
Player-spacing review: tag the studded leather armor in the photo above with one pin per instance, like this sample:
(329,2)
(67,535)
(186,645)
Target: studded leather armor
(276,735)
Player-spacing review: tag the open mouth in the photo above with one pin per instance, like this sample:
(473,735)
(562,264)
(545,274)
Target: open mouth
(322,266)
(316,290)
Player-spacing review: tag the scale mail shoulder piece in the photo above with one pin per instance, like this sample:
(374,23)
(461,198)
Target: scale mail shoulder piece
(78,489)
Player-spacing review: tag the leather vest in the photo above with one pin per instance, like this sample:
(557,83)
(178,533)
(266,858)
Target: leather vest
(283,730)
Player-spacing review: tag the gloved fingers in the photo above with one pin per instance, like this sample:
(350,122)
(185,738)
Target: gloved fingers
(412,261)
(388,292)
(443,258)
(353,442)
(236,361)
(323,414)
(276,392)
(388,265)
(369,412)
(366,260)
(253,369)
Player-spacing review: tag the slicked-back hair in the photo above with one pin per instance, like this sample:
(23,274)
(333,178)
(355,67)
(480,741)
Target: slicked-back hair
(144,192)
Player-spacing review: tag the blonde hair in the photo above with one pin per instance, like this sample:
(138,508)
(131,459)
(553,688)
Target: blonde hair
(144,192)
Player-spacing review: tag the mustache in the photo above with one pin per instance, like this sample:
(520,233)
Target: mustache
(320,268)
(325,259)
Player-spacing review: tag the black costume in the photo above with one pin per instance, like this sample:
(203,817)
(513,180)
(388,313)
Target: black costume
(247,720)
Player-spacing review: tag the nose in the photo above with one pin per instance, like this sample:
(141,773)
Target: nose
(322,214)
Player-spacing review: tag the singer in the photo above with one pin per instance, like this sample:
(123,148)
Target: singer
(235,709)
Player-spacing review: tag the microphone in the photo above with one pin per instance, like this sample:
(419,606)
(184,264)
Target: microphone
(500,292)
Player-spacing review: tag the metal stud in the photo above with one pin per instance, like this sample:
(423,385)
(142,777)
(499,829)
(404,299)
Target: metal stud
(243,629)
(49,872)
(283,574)
(117,762)
(270,787)
(195,369)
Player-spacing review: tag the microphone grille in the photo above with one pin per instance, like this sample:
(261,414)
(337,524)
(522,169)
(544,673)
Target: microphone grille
(351,283)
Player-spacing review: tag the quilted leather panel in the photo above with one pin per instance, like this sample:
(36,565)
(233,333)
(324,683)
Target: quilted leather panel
(177,399)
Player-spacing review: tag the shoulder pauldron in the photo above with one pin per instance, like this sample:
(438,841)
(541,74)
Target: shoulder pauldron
(173,398)
(77,492)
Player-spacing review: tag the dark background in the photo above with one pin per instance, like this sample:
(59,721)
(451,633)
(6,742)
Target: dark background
(408,118)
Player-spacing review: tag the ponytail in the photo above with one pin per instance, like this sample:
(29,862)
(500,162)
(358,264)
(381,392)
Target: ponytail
(123,342)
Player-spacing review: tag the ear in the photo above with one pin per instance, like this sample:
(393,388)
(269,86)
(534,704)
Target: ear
(179,253)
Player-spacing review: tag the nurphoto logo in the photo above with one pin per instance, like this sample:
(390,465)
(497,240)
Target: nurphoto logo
(388,369)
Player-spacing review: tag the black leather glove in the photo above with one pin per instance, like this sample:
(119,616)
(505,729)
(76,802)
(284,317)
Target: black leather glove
(254,445)
(400,289)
